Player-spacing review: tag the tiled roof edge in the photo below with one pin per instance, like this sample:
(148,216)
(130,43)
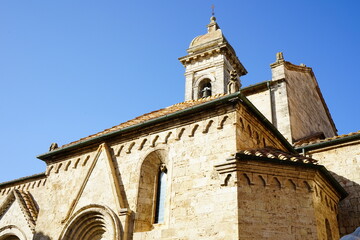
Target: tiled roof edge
(142,124)
(322,144)
(226,98)
(321,168)
(35,176)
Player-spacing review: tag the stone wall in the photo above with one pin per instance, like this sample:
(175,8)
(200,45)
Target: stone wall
(307,109)
(215,68)
(109,184)
(343,162)
(294,103)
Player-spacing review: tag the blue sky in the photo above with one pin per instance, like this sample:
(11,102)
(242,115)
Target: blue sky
(72,68)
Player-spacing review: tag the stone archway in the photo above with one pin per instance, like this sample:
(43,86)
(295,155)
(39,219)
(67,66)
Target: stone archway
(9,237)
(92,222)
(11,232)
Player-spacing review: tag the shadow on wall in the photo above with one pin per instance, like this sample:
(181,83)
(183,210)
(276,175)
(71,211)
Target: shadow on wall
(40,236)
(349,211)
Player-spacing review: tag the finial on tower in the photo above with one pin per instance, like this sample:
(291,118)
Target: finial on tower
(212,26)
(279,57)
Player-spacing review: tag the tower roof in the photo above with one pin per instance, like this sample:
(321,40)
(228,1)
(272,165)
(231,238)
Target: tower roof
(214,35)
(213,42)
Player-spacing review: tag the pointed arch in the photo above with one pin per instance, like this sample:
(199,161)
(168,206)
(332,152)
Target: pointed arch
(142,144)
(119,150)
(241,122)
(249,130)
(153,143)
(67,165)
(290,184)
(222,122)
(130,147)
(193,130)
(49,170)
(86,160)
(244,179)
(207,126)
(262,180)
(167,137)
(76,163)
(275,182)
(58,167)
(180,133)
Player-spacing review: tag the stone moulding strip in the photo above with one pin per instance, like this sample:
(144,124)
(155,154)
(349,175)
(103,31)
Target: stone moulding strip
(238,96)
(329,143)
(22,180)
(232,165)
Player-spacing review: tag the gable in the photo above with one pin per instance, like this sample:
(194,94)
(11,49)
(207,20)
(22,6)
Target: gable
(20,211)
(100,186)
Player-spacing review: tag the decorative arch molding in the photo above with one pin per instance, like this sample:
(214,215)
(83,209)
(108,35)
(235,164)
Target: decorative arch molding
(198,80)
(93,222)
(12,232)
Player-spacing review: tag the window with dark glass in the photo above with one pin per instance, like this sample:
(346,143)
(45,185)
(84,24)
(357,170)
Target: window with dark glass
(161,195)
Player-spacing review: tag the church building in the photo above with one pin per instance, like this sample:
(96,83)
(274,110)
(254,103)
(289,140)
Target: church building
(260,162)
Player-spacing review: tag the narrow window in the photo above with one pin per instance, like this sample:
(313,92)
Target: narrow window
(161,195)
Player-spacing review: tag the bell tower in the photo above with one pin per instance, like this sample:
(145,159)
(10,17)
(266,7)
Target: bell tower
(211,65)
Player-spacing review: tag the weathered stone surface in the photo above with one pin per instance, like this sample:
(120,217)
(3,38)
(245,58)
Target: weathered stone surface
(343,162)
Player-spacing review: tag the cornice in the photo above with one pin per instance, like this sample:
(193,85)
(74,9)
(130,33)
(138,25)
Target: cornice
(224,49)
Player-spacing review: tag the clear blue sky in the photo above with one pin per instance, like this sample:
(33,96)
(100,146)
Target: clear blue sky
(72,68)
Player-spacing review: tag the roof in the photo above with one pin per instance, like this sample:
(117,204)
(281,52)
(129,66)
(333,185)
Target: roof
(262,86)
(273,153)
(18,181)
(320,143)
(214,35)
(164,114)
(152,115)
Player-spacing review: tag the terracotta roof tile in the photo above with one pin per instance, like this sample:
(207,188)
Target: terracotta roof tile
(152,115)
(303,144)
(273,153)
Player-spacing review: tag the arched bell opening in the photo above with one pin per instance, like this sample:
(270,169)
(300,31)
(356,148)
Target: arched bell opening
(205,88)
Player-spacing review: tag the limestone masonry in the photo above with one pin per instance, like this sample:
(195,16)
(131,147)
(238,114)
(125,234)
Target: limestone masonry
(261,162)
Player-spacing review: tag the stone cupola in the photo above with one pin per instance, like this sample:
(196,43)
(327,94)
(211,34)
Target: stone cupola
(209,64)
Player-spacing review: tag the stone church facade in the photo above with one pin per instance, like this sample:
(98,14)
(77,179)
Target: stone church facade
(261,162)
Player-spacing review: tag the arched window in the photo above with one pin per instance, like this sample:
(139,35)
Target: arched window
(161,194)
(151,198)
(205,89)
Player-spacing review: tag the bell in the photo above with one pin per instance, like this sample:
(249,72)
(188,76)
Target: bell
(206,92)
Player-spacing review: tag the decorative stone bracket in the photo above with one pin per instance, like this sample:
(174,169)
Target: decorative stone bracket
(228,172)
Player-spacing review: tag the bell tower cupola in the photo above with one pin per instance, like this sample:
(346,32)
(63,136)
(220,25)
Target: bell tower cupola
(211,66)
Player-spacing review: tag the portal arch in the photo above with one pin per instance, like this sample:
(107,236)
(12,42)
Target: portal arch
(12,232)
(93,222)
